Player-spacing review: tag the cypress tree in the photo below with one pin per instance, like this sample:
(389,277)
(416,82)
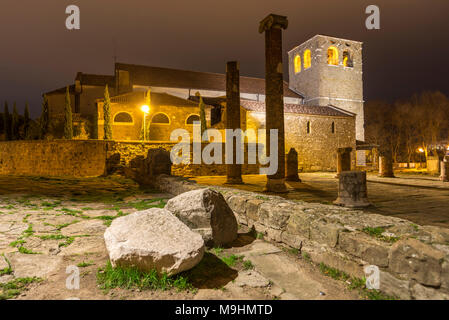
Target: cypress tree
(7,122)
(68,126)
(15,123)
(26,121)
(202,107)
(44,122)
(107,115)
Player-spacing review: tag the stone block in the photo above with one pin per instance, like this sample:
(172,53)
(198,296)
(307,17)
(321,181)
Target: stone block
(416,260)
(299,224)
(275,215)
(420,292)
(324,232)
(394,286)
(352,191)
(360,245)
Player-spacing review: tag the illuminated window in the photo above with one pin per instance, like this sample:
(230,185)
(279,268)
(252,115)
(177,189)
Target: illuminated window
(192,118)
(297,64)
(307,59)
(333,127)
(309,127)
(347,60)
(123,117)
(160,118)
(332,56)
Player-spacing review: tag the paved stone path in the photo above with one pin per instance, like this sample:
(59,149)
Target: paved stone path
(427,203)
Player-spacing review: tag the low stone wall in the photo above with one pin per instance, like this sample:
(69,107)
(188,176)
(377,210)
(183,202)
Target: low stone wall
(73,158)
(128,151)
(413,260)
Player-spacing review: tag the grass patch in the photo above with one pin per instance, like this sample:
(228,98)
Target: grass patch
(148,204)
(231,260)
(84,264)
(377,233)
(8,269)
(354,283)
(248,265)
(15,287)
(27,251)
(107,220)
(129,278)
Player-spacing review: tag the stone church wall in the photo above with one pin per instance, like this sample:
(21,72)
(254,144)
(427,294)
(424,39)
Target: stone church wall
(53,158)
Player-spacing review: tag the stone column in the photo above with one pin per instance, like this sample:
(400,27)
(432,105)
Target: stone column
(272,25)
(343,160)
(445,170)
(234,170)
(386,166)
(292,166)
(352,191)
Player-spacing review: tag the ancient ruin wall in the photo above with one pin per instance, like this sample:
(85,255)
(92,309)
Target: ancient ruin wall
(72,158)
(413,260)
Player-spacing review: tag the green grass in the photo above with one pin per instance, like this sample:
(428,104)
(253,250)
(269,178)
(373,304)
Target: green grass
(27,251)
(377,233)
(248,265)
(15,287)
(217,251)
(8,269)
(107,220)
(306,256)
(354,283)
(260,235)
(129,278)
(231,260)
(29,231)
(84,264)
(148,204)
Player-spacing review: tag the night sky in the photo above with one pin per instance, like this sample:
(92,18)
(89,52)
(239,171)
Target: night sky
(410,52)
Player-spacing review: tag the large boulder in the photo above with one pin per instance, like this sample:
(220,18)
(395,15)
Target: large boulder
(206,212)
(153,239)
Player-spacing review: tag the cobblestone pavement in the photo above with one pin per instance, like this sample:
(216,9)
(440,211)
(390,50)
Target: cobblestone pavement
(418,198)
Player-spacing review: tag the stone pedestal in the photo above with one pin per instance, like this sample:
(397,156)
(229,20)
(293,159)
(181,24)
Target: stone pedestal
(234,170)
(433,164)
(386,167)
(352,192)
(272,25)
(292,166)
(444,171)
(343,160)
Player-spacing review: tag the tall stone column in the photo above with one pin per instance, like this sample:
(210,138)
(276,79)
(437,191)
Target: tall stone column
(272,25)
(343,160)
(292,166)
(234,170)
(386,166)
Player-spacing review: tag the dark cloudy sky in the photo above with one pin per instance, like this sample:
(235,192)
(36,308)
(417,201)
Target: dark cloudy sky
(409,54)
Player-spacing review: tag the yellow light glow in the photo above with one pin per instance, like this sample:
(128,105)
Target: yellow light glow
(332,56)
(297,64)
(307,59)
(145,109)
(421,150)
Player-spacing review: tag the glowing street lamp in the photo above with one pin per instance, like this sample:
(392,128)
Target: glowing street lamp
(421,150)
(145,109)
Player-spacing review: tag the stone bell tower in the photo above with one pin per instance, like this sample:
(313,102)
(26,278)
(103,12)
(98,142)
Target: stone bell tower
(328,71)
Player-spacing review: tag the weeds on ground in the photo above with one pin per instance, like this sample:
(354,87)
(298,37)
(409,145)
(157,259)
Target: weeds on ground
(378,233)
(15,287)
(129,278)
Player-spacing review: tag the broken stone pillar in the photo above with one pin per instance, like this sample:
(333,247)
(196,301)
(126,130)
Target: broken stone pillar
(272,25)
(343,160)
(292,166)
(445,170)
(352,191)
(234,170)
(386,166)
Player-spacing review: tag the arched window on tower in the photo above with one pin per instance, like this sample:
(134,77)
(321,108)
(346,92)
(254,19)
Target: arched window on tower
(347,59)
(297,63)
(332,56)
(308,127)
(333,127)
(307,59)
(192,118)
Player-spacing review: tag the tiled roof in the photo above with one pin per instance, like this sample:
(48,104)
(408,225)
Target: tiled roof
(95,79)
(175,78)
(62,90)
(297,108)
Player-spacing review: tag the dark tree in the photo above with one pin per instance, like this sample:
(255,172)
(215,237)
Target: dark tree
(15,123)
(107,115)
(68,126)
(44,122)
(7,122)
(94,124)
(26,122)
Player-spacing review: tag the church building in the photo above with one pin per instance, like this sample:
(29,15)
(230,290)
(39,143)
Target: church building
(323,102)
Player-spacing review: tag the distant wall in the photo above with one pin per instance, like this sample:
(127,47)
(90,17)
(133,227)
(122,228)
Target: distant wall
(75,158)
